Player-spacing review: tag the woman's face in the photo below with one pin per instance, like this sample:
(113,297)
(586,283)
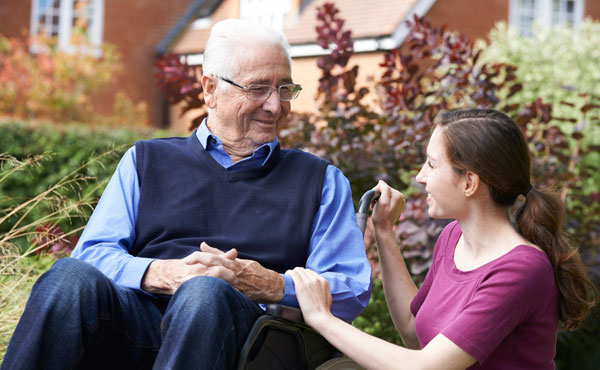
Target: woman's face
(444,186)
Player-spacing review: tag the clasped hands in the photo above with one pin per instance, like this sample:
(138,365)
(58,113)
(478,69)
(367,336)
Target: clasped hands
(249,277)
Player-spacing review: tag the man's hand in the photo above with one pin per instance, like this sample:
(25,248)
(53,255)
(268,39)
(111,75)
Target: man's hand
(165,276)
(249,277)
(259,284)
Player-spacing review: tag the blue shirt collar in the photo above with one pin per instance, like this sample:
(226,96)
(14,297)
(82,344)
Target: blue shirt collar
(212,143)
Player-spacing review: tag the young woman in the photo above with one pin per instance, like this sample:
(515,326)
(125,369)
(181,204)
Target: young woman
(496,294)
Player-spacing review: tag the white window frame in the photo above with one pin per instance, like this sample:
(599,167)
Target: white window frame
(543,14)
(270,13)
(65,26)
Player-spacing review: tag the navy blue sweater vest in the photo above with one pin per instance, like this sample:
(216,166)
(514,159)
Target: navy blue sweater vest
(186,198)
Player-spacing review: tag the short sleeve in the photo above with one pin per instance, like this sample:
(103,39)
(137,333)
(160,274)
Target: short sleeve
(507,295)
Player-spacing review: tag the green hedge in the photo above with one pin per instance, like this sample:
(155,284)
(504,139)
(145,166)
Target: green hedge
(376,319)
(65,149)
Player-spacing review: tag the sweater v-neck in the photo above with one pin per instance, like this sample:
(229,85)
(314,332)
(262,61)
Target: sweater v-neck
(229,175)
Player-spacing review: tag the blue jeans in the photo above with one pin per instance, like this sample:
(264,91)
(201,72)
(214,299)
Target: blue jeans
(77,318)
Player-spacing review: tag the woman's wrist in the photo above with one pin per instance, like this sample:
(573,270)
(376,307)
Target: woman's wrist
(384,233)
(319,321)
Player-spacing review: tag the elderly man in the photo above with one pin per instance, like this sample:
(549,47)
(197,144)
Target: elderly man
(192,234)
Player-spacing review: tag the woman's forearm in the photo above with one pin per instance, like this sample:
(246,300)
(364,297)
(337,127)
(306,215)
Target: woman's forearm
(367,350)
(374,353)
(398,286)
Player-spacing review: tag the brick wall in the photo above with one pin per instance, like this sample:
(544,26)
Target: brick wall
(473,18)
(592,9)
(15,17)
(135,27)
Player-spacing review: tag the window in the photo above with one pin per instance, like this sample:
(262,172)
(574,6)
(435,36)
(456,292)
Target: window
(563,12)
(75,24)
(524,13)
(268,12)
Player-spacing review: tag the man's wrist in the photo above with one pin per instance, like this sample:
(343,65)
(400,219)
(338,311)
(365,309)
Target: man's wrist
(151,281)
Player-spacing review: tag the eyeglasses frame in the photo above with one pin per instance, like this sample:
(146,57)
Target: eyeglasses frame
(271,89)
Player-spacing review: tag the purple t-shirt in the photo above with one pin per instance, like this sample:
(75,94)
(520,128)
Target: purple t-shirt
(504,313)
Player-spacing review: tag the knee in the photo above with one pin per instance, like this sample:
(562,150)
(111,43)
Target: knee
(205,294)
(69,273)
(67,282)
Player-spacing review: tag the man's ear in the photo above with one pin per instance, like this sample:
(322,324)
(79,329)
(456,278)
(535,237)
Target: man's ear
(472,183)
(209,87)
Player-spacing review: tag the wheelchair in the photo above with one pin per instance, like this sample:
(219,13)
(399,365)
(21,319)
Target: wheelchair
(279,339)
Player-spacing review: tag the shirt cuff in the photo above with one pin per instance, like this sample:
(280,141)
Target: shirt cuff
(134,272)
(289,292)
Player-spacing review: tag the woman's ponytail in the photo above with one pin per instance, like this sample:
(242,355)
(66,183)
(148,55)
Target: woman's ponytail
(541,220)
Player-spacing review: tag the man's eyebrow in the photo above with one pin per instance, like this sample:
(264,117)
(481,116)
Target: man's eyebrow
(283,81)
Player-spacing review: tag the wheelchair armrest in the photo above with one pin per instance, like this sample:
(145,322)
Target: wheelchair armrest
(285,312)
(280,336)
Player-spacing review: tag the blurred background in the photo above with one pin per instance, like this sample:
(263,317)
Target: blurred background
(82,80)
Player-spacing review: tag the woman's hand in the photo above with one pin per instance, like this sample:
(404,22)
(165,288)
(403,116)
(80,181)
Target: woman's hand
(314,297)
(388,208)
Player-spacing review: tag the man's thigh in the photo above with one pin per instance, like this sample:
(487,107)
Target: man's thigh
(205,324)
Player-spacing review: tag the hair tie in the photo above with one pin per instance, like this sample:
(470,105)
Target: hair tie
(527,191)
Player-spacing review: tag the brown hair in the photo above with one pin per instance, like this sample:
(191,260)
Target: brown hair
(490,144)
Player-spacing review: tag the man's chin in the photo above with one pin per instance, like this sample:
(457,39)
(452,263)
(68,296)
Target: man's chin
(264,139)
(266,135)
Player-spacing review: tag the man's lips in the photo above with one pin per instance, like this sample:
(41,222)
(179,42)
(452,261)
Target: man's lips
(266,122)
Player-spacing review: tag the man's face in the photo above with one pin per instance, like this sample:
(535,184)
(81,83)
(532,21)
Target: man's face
(245,122)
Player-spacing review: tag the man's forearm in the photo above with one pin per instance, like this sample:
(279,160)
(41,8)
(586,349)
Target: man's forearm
(259,284)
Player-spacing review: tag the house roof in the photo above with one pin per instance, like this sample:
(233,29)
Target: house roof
(382,20)
(198,9)
(364,18)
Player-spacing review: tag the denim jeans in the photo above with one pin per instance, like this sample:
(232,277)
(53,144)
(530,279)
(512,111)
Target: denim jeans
(77,318)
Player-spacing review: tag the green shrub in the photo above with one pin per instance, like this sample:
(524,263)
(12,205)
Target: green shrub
(376,319)
(49,176)
(63,150)
(559,65)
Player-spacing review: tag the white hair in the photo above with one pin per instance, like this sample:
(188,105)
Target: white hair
(222,56)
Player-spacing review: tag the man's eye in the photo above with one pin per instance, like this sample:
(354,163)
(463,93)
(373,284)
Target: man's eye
(258,90)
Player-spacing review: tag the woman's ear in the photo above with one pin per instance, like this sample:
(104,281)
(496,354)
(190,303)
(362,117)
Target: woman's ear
(209,87)
(471,183)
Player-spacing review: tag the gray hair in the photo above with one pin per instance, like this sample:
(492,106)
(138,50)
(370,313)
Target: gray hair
(227,37)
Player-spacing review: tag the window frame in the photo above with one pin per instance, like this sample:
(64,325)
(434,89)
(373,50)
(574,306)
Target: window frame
(543,14)
(65,26)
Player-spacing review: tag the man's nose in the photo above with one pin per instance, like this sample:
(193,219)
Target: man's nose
(272,104)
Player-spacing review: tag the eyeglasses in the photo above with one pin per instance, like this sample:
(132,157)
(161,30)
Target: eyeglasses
(263,92)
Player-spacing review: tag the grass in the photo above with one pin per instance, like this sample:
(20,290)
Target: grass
(16,279)
(28,248)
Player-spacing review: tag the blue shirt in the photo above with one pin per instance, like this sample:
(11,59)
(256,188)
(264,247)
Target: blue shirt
(336,248)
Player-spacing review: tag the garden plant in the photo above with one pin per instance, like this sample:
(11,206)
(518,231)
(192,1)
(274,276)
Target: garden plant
(435,69)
